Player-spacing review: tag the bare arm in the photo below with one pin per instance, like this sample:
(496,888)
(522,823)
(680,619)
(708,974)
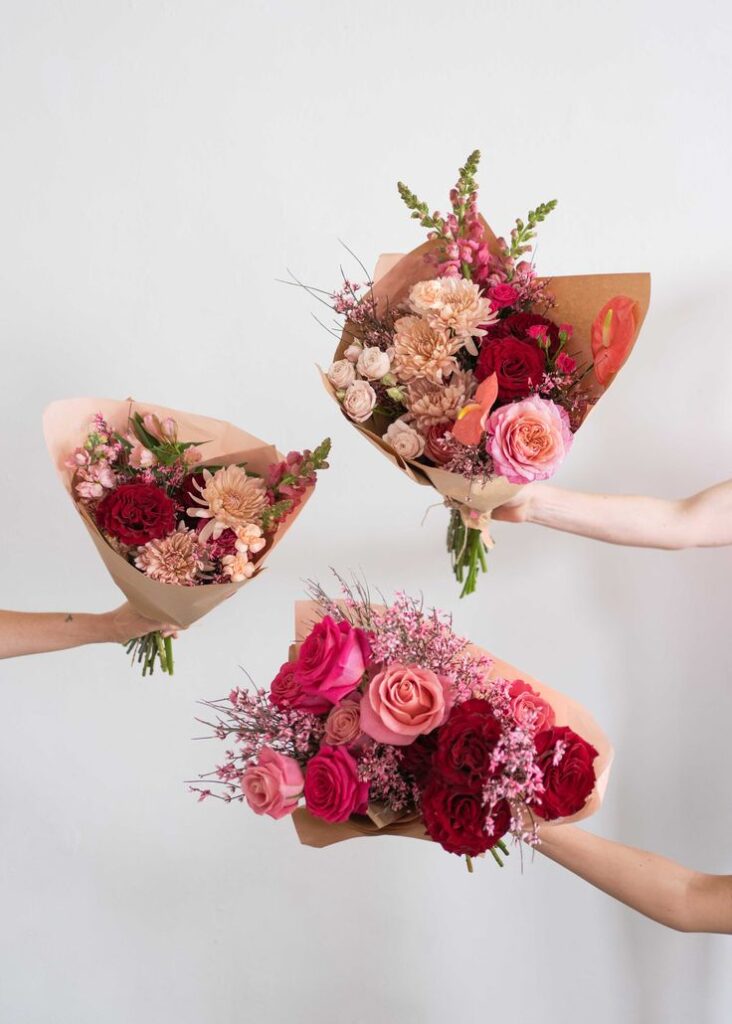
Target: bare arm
(677,897)
(37,632)
(704,520)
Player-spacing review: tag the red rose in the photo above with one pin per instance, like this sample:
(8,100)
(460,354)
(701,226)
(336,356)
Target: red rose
(513,355)
(332,660)
(459,821)
(286,692)
(518,363)
(333,790)
(438,443)
(136,513)
(569,782)
(465,745)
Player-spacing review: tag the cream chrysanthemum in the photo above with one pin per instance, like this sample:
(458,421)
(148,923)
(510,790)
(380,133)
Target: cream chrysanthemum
(429,403)
(179,558)
(452,304)
(230,499)
(420,351)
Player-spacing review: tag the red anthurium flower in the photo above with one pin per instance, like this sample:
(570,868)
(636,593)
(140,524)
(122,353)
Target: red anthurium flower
(471,419)
(612,336)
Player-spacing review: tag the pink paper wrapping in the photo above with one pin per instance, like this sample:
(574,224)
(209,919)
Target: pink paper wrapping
(314,831)
(65,426)
(579,299)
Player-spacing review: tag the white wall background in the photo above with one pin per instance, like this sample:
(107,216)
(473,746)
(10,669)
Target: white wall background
(162,163)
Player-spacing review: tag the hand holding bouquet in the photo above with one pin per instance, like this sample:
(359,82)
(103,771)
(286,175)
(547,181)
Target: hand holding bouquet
(384,721)
(470,372)
(182,509)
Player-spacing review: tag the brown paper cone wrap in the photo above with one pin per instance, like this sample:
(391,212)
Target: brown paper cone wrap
(579,299)
(65,426)
(314,831)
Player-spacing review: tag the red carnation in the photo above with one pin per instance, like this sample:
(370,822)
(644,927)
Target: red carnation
(465,745)
(136,513)
(459,821)
(569,782)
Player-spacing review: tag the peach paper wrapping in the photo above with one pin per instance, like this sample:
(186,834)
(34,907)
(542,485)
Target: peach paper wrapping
(314,831)
(65,426)
(578,301)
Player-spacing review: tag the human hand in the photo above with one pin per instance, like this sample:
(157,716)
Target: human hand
(518,509)
(125,624)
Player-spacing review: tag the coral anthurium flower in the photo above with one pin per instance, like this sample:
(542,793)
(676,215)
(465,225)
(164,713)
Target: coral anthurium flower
(612,336)
(471,419)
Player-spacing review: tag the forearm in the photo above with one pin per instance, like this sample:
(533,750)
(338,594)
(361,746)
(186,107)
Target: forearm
(666,892)
(703,520)
(36,632)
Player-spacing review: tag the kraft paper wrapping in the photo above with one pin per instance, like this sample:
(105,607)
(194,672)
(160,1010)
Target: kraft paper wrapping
(65,426)
(579,299)
(314,831)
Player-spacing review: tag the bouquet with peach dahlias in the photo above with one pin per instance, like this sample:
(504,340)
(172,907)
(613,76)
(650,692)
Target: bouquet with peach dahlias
(467,369)
(385,722)
(183,509)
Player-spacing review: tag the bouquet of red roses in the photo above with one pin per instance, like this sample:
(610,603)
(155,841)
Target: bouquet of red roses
(470,372)
(385,721)
(183,509)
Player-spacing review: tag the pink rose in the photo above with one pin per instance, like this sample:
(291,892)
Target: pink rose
(528,440)
(286,692)
(332,660)
(274,785)
(502,295)
(529,708)
(343,724)
(333,790)
(403,702)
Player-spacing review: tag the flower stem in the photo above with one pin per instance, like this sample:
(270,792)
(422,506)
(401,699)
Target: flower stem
(469,863)
(148,649)
(467,552)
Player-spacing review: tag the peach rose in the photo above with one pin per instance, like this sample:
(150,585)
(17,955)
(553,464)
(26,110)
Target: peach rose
(528,440)
(341,373)
(274,785)
(404,439)
(373,363)
(404,702)
(359,401)
(343,724)
(529,708)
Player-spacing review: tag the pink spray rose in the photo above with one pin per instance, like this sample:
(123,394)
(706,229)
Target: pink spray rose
(404,702)
(528,440)
(274,785)
(332,660)
(343,724)
(333,790)
(502,295)
(529,708)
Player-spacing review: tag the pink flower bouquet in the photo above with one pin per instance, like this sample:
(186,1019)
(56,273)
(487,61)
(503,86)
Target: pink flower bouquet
(470,372)
(384,722)
(183,509)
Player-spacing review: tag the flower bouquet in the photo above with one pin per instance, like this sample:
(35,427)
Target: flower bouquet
(384,722)
(183,509)
(470,372)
